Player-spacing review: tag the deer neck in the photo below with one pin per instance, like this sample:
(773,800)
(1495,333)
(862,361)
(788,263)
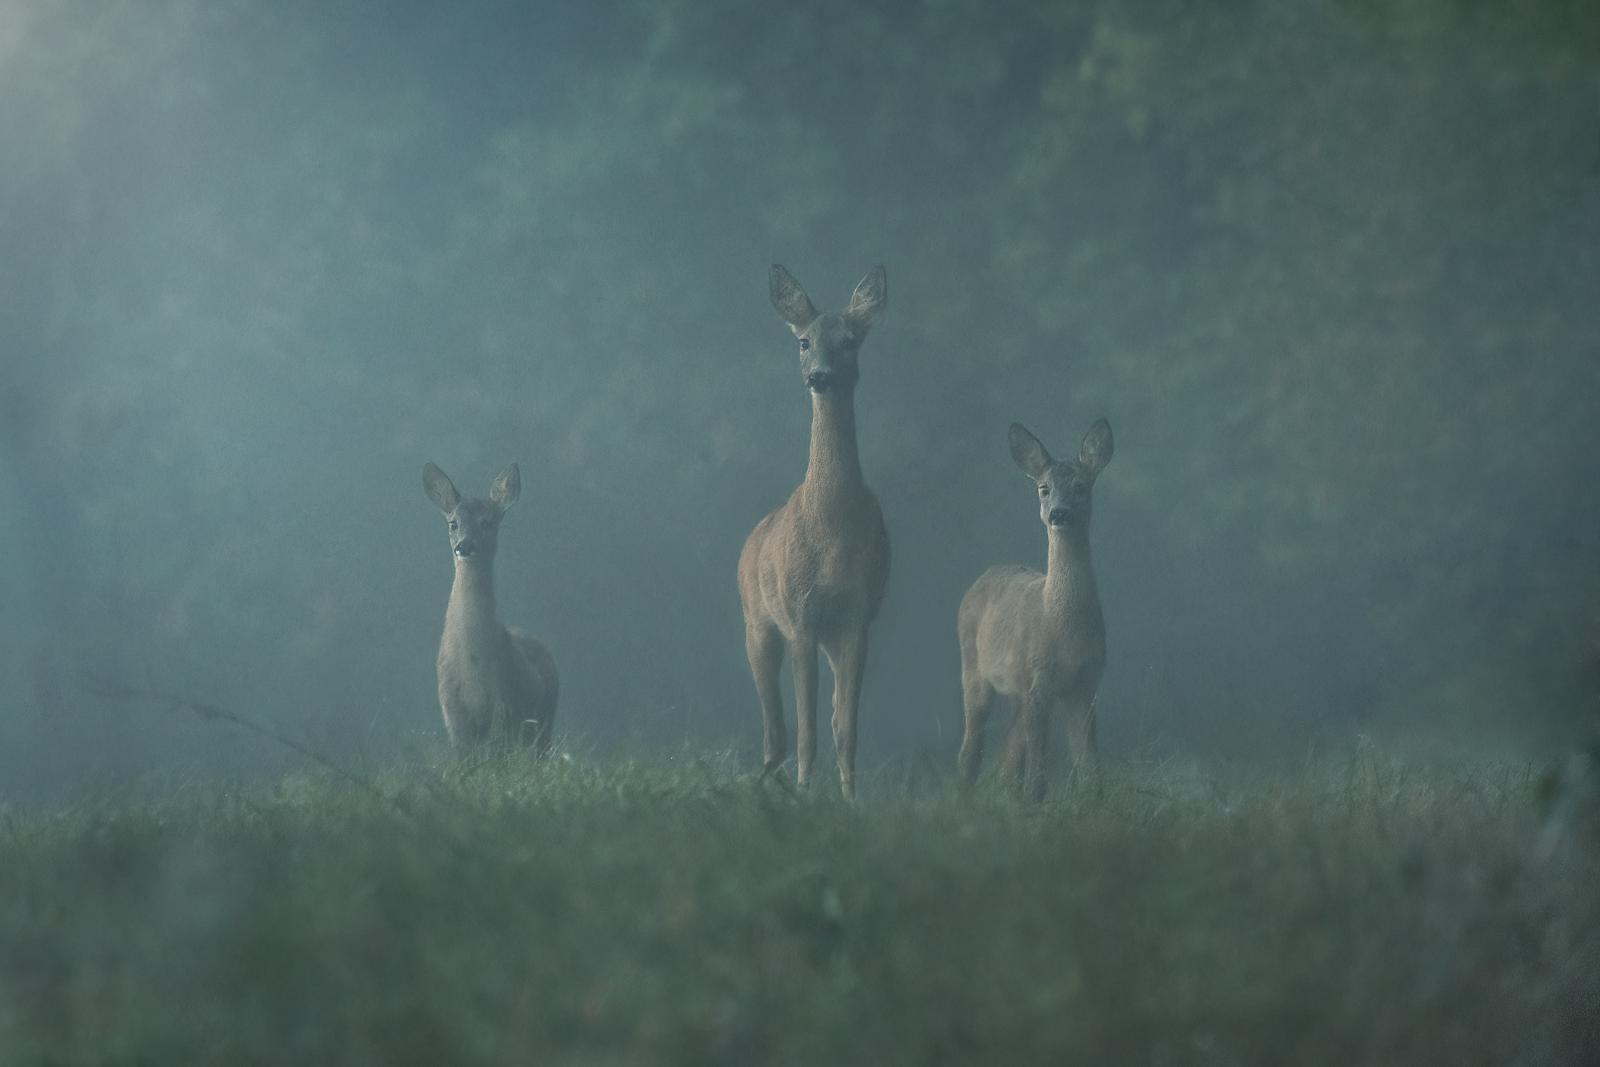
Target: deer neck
(1069,589)
(471,597)
(834,469)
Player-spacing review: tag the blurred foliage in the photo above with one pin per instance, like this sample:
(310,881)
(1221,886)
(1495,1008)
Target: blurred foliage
(676,911)
(1330,267)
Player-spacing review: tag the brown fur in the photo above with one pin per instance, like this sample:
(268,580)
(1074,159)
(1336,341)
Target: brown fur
(813,572)
(1039,638)
(494,681)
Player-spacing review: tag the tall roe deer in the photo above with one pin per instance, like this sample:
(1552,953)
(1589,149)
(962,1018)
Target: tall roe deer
(1039,638)
(495,681)
(813,572)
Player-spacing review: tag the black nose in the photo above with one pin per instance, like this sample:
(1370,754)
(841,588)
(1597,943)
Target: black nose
(464,549)
(1058,516)
(818,381)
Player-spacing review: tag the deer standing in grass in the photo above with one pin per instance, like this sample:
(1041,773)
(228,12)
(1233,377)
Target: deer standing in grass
(813,572)
(1039,638)
(494,681)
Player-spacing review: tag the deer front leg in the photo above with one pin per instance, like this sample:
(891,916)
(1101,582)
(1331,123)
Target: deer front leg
(763,646)
(1080,737)
(803,658)
(848,658)
(1014,761)
(1035,731)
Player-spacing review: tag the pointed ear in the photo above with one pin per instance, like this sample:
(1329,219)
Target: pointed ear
(506,488)
(1030,455)
(790,299)
(439,489)
(1095,452)
(870,297)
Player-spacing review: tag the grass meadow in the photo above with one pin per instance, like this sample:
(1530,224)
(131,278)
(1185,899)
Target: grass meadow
(679,909)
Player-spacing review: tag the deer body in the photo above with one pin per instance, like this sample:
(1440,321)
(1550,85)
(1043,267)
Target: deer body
(1039,638)
(813,572)
(495,681)
(821,561)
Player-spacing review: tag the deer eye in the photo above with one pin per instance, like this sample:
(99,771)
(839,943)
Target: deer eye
(454,524)
(805,343)
(1044,490)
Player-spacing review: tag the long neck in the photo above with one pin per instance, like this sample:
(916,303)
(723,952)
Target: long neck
(835,466)
(472,595)
(1069,587)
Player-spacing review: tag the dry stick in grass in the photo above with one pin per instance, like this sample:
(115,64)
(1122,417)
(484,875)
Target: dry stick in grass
(714,787)
(212,712)
(774,773)
(121,691)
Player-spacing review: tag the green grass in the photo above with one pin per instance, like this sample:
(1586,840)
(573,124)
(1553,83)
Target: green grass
(682,911)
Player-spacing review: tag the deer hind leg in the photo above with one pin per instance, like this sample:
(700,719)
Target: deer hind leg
(536,730)
(533,731)
(464,724)
(542,731)
(977,701)
(475,732)
(452,729)
(803,659)
(848,658)
(545,728)
(763,645)
(1080,718)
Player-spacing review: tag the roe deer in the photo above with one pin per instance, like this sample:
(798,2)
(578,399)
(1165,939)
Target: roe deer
(494,680)
(813,571)
(1039,638)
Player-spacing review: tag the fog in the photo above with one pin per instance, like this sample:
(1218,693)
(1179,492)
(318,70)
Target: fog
(1330,269)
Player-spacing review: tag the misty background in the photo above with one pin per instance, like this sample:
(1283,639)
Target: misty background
(1331,269)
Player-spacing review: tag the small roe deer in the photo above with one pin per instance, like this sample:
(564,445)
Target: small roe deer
(1039,638)
(494,680)
(813,572)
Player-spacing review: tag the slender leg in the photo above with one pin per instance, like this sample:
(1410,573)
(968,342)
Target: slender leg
(1036,730)
(1014,762)
(547,718)
(763,645)
(549,683)
(1080,736)
(452,727)
(977,698)
(534,729)
(803,659)
(848,658)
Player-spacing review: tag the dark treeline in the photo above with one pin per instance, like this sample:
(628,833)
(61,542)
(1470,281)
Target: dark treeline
(1330,268)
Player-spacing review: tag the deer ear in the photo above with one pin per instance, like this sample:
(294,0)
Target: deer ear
(506,488)
(1030,455)
(790,299)
(1095,452)
(436,483)
(870,297)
